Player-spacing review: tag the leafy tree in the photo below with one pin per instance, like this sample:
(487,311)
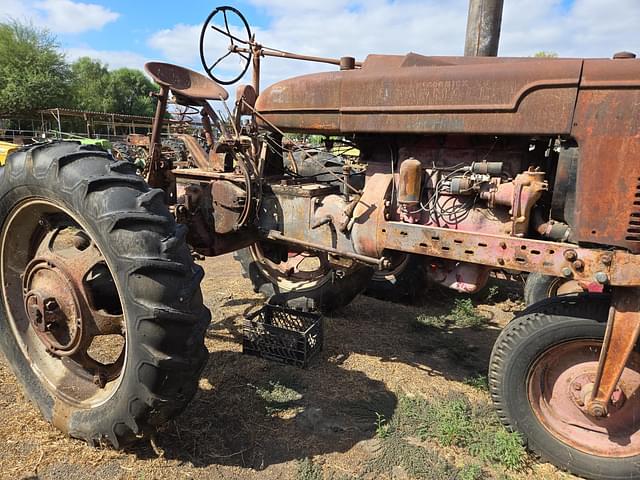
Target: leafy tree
(128,92)
(33,72)
(89,83)
(545,54)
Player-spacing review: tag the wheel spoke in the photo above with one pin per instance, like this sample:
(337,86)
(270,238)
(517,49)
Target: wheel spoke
(226,25)
(105,323)
(87,366)
(232,37)
(218,61)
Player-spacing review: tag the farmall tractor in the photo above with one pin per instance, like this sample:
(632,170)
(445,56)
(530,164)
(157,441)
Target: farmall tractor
(524,164)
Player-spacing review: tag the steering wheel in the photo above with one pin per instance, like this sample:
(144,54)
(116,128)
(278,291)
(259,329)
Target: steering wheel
(238,44)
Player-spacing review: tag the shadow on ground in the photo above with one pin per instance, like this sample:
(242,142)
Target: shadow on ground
(253,413)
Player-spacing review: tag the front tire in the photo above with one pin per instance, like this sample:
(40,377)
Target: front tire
(89,252)
(542,366)
(538,287)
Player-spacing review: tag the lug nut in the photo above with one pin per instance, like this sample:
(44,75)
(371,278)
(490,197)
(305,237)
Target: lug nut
(50,304)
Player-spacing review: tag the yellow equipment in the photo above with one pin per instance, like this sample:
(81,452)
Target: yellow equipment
(5,149)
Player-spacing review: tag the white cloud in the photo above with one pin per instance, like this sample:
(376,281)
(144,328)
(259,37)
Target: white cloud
(588,28)
(59,16)
(178,44)
(113,58)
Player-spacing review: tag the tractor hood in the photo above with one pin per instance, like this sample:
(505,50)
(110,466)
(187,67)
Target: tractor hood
(418,94)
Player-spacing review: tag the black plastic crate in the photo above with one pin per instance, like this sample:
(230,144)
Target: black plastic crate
(282,334)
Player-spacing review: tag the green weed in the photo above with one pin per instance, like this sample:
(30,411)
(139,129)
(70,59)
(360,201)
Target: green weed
(307,470)
(463,314)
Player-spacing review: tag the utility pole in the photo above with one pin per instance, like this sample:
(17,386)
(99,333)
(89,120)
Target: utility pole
(483,28)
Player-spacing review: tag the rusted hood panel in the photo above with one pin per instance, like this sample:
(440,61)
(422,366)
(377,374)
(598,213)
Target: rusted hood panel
(417,94)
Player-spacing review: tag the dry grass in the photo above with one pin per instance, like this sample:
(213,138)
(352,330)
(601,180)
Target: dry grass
(252,419)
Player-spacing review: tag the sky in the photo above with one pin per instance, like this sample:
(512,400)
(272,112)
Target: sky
(127,33)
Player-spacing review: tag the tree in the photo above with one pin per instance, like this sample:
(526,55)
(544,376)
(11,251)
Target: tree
(33,72)
(545,54)
(128,92)
(89,84)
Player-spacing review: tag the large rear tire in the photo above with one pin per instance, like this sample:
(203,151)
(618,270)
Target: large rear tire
(102,319)
(543,365)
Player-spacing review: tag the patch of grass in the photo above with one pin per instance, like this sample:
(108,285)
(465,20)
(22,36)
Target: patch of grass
(497,445)
(463,314)
(471,472)
(492,294)
(447,422)
(382,426)
(481,382)
(277,396)
(454,420)
(418,462)
(432,321)
(307,470)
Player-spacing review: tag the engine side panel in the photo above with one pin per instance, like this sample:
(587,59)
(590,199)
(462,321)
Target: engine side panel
(607,129)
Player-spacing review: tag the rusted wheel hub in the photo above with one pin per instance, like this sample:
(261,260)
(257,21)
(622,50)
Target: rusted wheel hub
(51,303)
(560,388)
(63,303)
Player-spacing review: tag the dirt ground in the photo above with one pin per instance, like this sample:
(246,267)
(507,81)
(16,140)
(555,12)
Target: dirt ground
(235,428)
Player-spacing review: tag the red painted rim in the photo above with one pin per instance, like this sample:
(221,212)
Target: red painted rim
(558,385)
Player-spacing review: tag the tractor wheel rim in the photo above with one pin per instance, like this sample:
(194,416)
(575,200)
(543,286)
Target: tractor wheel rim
(559,386)
(288,275)
(62,301)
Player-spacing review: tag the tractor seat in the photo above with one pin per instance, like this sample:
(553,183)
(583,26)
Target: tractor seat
(184,82)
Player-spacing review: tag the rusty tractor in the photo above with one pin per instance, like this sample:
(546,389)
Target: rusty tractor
(473,163)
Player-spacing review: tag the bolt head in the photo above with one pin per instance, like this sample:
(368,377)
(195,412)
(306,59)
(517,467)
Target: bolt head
(578,265)
(576,386)
(570,255)
(595,409)
(601,277)
(566,272)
